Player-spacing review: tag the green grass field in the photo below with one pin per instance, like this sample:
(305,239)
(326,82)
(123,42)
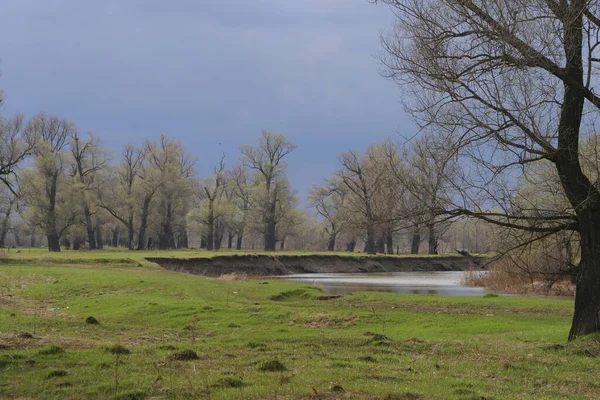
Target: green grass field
(269,339)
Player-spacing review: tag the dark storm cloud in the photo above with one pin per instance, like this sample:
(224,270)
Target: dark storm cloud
(206,72)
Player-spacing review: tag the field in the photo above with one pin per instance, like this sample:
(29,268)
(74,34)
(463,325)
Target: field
(165,335)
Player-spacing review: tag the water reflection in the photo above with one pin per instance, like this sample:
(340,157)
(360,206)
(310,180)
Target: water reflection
(440,283)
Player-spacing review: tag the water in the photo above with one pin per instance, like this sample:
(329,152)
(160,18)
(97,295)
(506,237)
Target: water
(441,283)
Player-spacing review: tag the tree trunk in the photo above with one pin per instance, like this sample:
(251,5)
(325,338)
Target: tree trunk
(210,236)
(144,222)
(282,244)
(389,243)
(230,236)
(183,239)
(350,246)
(51,231)
(89,225)
(76,243)
(219,233)
(380,245)
(203,243)
(99,238)
(331,243)
(115,238)
(238,243)
(5,222)
(370,242)
(53,242)
(416,242)
(433,241)
(586,318)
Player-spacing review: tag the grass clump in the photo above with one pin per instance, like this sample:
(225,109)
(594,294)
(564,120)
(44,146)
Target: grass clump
(228,382)
(291,294)
(185,355)
(57,373)
(51,350)
(272,366)
(118,349)
(134,394)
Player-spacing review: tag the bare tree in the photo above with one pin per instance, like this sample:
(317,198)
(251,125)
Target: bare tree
(88,161)
(510,83)
(267,160)
(51,135)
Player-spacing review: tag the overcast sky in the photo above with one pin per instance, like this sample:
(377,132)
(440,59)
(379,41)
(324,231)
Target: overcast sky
(207,72)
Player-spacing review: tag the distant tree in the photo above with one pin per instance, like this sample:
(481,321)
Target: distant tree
(267,160)
(173,168)
(46,184)
(89,163)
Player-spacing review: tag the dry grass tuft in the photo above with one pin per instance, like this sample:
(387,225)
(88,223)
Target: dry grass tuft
(234,276)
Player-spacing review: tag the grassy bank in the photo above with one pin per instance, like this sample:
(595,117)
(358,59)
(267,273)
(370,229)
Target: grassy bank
(122,256)
(273,339)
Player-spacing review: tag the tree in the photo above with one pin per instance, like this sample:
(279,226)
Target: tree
(328,200)
(212,193)
(88,162)
(243,186)
(46,184)
(267,160)
(121,196)
(172,168)
(509,84)
(15,146)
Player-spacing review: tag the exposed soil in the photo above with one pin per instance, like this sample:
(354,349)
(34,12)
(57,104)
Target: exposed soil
(273,265)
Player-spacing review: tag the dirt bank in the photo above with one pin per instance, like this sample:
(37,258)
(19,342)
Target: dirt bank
(267,265)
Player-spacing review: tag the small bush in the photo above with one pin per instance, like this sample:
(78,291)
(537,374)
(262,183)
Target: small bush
(52,350)
(57,373)
(272,366)
(185,355)
(118,349)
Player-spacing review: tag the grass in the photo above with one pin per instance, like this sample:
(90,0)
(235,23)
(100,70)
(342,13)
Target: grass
(272,341)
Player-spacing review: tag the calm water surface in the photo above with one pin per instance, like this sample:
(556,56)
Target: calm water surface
(442,283)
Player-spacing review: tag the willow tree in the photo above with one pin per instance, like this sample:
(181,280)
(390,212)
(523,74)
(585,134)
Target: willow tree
(511,83)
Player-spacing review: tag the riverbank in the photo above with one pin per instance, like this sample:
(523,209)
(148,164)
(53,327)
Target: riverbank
(161,334)
(278,265)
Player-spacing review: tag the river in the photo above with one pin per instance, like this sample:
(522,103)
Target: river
(440,283)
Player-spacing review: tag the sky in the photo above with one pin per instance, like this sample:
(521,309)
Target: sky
(210,73)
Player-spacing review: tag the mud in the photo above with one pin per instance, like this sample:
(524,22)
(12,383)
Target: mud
(274,265)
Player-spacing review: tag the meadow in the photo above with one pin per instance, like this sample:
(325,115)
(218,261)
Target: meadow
(88,325)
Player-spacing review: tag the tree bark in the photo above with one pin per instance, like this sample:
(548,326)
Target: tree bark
(416,242)
(51,231)
(238,243)
(115,238)
(433,241)
(99,238)
(350,246)
(53,242)
(331,243)
(144,222)
(370,242)
(5,222)
(389,243)
(230,240)
(89,225)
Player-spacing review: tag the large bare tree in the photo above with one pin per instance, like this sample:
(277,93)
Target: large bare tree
(267,160)
(511,83)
